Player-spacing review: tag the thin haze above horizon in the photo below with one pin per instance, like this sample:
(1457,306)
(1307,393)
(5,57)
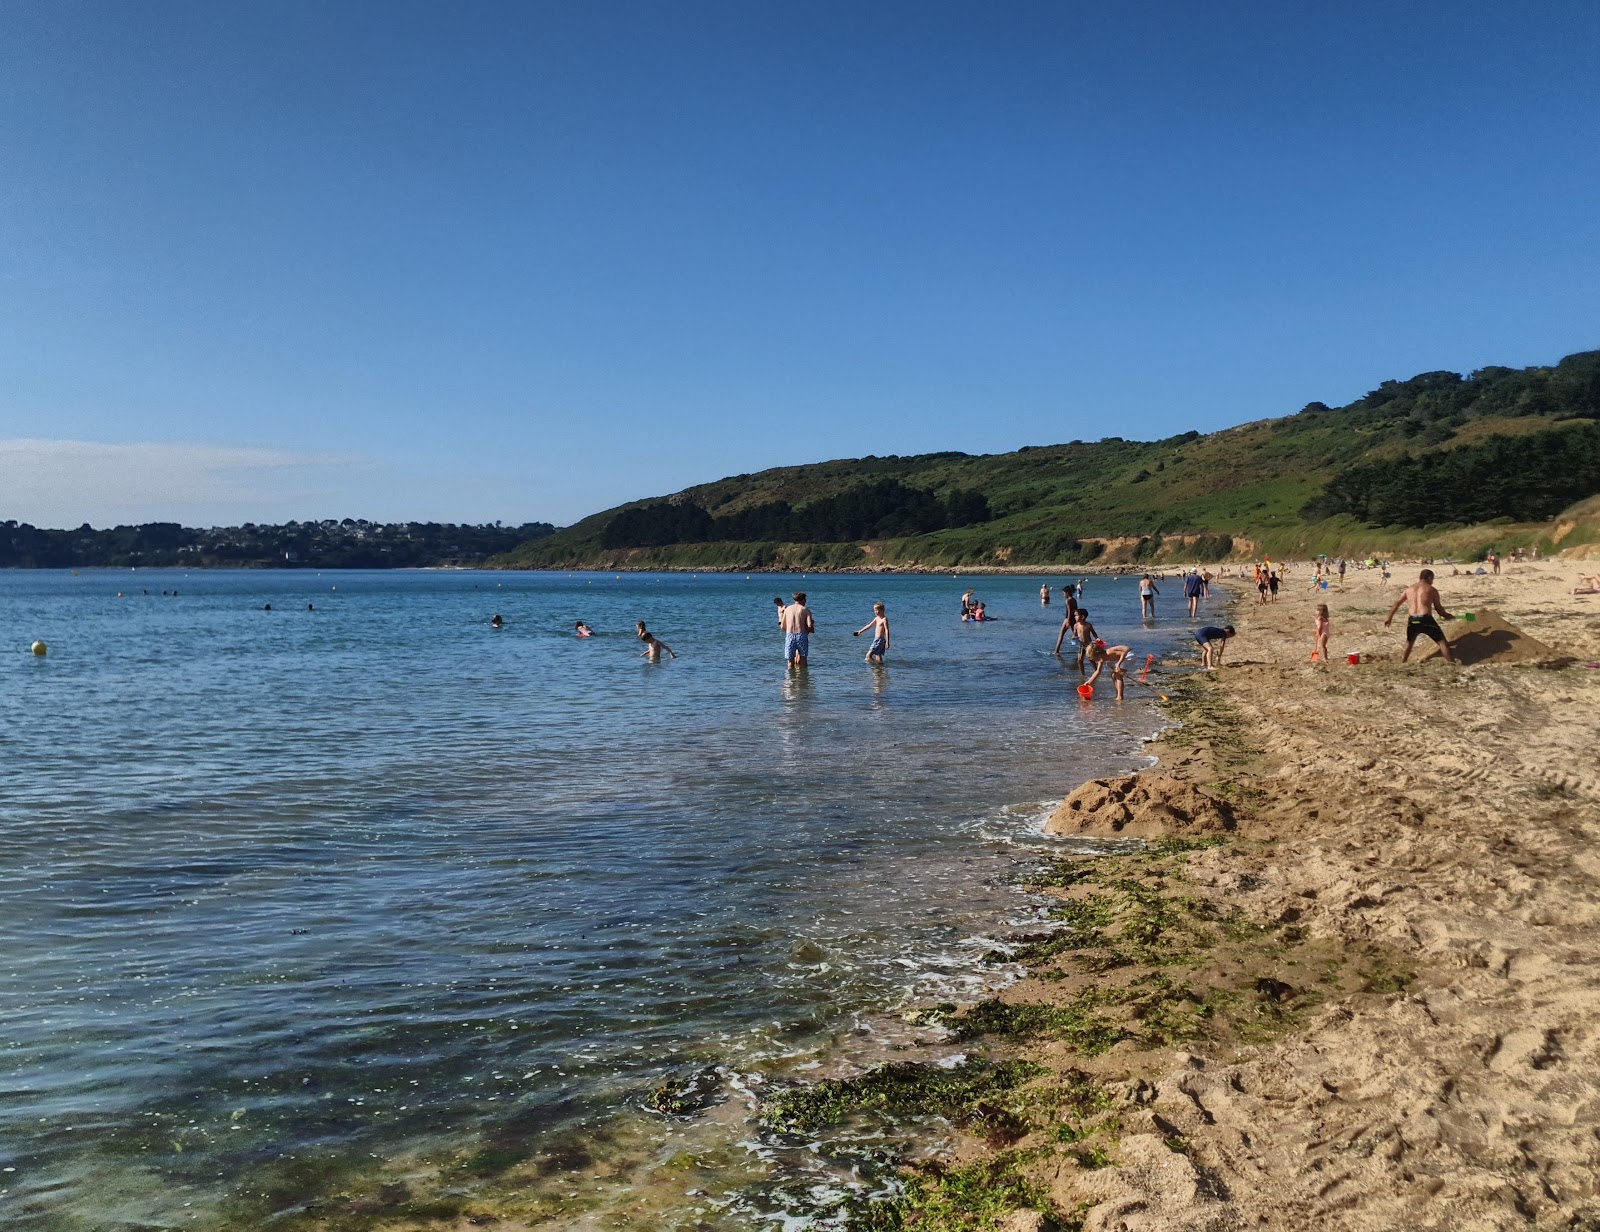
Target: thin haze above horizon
(523,262)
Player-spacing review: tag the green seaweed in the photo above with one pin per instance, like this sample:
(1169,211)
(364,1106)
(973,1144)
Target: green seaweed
(973,1094)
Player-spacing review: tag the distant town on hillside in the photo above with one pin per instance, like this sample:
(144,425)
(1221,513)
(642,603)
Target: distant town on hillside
(353,543)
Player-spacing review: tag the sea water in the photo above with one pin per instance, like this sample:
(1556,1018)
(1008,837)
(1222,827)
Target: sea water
(363,878)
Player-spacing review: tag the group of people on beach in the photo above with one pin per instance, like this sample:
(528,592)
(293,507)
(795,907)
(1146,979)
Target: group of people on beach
(1094,657)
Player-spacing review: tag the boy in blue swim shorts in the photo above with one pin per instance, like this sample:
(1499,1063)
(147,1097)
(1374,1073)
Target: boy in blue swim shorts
(879,624)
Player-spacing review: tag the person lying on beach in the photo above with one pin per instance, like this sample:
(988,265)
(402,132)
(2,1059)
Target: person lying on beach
(1213,641)
(653,646)
(1421,601)
(879,624)
(1117,656)
(583,630)
(1588,585)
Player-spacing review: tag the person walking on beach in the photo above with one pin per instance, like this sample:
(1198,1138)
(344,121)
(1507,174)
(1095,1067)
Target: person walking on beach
(798,626)
(1421,601)
(1192,588)
(1213,641)
(653,646)
(1147,597)
(1319,636)
(1272,585)
(1341,573)
(879,624)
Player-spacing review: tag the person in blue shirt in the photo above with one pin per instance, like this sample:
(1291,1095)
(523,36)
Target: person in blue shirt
(1213,641)
(1192,586)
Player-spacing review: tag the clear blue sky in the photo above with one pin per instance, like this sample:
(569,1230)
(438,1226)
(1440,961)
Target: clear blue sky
(524,261)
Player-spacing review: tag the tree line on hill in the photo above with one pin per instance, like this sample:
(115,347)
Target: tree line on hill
(880,509)
(1524,478)
(348,544)
(1429,407)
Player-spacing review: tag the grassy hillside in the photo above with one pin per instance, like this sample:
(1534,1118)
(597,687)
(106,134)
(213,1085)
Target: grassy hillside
(1432,456)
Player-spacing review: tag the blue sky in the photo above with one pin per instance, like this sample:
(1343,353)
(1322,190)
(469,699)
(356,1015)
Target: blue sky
(523,261)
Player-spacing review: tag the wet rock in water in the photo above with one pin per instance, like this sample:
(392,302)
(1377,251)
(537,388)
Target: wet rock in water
(686,1094)
(1140,805)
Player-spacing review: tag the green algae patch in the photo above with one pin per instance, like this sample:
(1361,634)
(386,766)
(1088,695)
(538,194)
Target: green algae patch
(977,1094)
(973,1197)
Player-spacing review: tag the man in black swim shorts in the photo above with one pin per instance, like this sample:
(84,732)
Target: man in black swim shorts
(1422,600)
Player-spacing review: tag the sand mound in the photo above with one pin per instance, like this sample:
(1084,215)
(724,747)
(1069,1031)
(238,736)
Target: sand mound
(1140,805)
(1489,638)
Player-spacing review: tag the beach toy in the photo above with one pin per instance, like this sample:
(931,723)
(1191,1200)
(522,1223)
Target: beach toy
(1313,656)
(1086,690)
(1469,617)
(1145,671)
(39,648)
(1352,658)
(1324,584)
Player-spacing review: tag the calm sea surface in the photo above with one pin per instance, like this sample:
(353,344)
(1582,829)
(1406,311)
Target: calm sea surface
(375,877)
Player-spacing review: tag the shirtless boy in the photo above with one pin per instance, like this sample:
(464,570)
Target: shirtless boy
(1084,632)
(1421,601)
(1117,656)
(879,624)
(653,646)
(797,625)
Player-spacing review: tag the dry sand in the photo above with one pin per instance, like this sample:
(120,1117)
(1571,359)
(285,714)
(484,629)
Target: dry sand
(1448,815)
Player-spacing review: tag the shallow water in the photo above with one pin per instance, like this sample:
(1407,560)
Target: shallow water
(376,878)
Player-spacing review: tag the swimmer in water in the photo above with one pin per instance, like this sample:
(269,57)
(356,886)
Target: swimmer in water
(583,630)
(642,632)
(496,621)
(653,647)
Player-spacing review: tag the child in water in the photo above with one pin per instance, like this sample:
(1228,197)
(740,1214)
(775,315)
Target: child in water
(583,630)
(1319,635)
(879,624)
(653,646)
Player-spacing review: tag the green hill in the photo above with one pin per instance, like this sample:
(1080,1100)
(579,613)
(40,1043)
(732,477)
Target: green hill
(1456,463)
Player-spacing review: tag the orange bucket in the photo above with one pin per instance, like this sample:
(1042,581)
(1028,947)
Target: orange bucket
(1086,690)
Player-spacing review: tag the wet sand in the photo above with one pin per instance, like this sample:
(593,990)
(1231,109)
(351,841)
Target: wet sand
(1431,827)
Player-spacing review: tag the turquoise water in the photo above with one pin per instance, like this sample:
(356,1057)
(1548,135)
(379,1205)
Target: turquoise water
(354,880)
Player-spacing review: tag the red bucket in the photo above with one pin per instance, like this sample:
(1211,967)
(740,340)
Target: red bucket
(1352,658)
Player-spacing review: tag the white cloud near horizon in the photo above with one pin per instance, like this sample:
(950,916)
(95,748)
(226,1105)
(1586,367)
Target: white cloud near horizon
(62,483)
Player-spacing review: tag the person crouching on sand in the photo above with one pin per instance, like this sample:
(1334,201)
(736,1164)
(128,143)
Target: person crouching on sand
(653,646)
(879,624)
(1213,641)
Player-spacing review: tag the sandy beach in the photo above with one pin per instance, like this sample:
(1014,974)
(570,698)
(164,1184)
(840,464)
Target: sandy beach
(1389,959)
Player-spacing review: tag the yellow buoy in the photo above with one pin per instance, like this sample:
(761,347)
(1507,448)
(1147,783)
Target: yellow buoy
(40,649)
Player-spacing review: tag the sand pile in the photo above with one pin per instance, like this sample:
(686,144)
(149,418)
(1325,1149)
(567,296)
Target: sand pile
(1140,805)
(1490,638)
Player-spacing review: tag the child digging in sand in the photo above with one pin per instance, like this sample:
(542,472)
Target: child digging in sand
(1319,636)
(879,624)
